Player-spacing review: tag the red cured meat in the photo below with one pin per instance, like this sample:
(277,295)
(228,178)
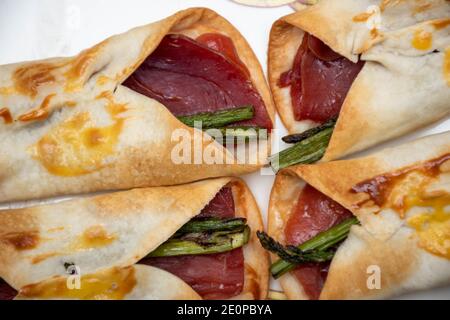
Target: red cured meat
(224,45)
(312,276)
(222,206)
(6,291)
(189,77)
(314,213)
(213,276)
(321,50)
(320,80)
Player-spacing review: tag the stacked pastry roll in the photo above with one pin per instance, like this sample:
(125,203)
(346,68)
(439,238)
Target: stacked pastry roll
(180,242)
(122,114)
(357,73)
(370,227)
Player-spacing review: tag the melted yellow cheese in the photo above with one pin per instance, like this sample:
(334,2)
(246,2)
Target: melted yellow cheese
(28,78)
(78,67)
(362,17)
(432,223)
(75,147)
(432,228)
(93,237)
(119,77)
(113,284)
(7,90)
(422,40)
(427,211)
(446,66)
(102,80)
(39,113)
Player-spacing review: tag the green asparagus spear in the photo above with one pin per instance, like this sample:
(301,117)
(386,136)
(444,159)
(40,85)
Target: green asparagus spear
(219,118)
(293,254)
(297,137)
(202,243)
(244,133)
(212,224)
(308,150)
(317,245)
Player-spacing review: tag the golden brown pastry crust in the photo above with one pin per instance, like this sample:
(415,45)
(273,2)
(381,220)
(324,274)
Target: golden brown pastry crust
(45,97)
(384,239)
(384,101)
(117,230)
(140,282)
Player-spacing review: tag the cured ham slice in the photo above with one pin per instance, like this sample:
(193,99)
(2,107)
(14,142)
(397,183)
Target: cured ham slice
(320,80)
(224,45)
(189,77)
(314,213)
(222,206)
(6,291)
(213,276)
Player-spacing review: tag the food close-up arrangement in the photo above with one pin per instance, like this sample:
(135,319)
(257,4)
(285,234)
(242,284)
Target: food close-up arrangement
(225,150)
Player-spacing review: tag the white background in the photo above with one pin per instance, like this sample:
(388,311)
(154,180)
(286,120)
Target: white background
(36,29)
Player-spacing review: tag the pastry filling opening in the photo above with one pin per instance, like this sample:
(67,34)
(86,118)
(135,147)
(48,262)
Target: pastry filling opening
(202,79)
